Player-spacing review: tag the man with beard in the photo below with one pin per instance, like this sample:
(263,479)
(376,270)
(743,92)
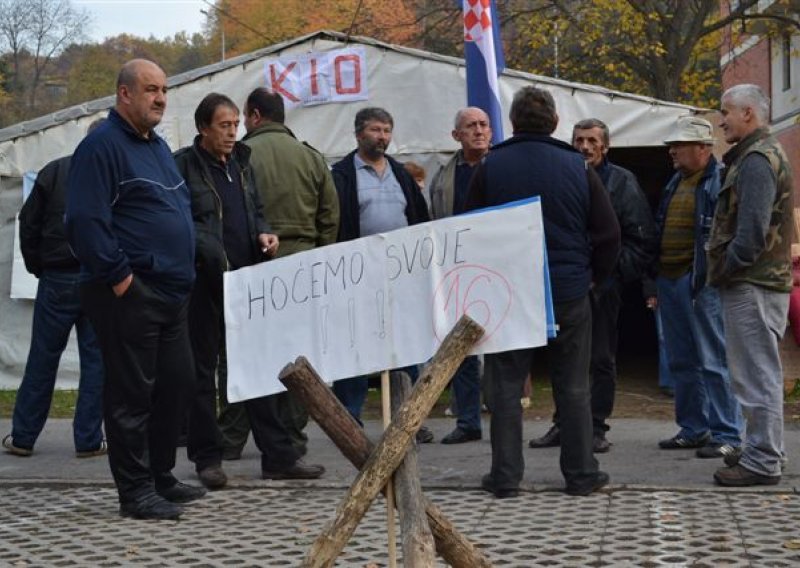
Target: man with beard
(376,195)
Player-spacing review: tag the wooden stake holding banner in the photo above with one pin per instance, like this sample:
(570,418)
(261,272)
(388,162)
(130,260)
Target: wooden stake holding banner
(302,380)
(386,411)
(392,447)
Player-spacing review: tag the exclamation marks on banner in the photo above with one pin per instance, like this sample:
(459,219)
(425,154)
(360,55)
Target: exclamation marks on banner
(351,319)
(324,327)
(381,315)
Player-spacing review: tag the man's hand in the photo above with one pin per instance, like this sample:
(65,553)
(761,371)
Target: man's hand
(651,302)
(268,243)
(121,287)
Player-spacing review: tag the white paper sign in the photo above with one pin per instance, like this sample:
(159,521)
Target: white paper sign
(318,78)
(387,300)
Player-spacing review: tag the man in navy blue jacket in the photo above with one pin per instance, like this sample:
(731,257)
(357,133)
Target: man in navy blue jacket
(583,242)
(129,222)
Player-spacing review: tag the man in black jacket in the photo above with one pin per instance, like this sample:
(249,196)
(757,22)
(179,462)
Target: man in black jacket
(376,195)
(591,138)
(45,250)
(231,233)
(582,236)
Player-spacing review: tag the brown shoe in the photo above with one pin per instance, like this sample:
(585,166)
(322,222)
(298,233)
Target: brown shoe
(300,470)
(739,476)
(213,477)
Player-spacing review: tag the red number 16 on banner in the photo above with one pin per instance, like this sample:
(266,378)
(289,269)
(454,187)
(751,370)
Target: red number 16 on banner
(481,293)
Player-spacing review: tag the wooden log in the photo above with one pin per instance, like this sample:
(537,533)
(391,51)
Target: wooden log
(391,448)
(419,550)
(346,434)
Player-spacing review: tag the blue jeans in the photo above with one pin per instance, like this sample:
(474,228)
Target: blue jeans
(665,380)
(467,393)
(56,310)
(695,345)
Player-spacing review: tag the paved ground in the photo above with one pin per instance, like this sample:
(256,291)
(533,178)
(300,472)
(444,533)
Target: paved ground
(661,509)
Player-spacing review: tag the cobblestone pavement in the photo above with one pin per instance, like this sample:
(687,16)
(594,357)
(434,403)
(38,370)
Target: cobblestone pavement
(78,525)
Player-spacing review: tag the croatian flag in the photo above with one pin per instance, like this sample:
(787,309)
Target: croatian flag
(483,51)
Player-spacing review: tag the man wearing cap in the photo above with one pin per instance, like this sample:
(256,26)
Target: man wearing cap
(749,259)
(705,408)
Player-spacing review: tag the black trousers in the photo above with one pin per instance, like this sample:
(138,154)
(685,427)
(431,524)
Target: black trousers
(568,360)
(204,442)
(149,381)
(603,363)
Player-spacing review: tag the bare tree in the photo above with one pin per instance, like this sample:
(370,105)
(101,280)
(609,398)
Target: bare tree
(35,31)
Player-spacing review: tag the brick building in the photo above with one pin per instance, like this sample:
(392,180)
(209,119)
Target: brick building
(771,61)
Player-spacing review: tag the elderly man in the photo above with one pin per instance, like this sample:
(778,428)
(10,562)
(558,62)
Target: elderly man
(582,246)
(449,190)
(749,259)
(591,138)
(376,195)
(705,408)
(129,222)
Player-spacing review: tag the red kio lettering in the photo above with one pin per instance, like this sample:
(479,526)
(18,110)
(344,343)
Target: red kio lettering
(338,61)
(313,78)
(277,81)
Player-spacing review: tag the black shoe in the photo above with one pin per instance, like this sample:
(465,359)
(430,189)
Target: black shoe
(181,493)
(715,450)
(733,458)
(213,476)
(151,506)
(600,445)
(738,476)
(487,484)
(424,435)
(300,470)
(600,480)
(459,436)
(549,440)
(678,442)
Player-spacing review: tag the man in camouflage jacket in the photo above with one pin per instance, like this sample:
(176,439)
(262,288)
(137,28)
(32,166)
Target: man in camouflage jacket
(749,259)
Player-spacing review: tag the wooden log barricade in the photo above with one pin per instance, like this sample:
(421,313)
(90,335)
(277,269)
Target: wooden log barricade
(418,545)
(377,463)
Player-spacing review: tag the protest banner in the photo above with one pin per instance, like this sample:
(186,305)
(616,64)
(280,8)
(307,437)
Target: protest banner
(388,300)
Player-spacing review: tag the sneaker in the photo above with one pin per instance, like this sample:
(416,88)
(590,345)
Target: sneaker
(678,442)
(716,450)
(101,450)
(213,477)
(299,470)
(731,459)
(549,440)
(738,476)
(525,402)
(8,444)
(601,480)
(151,506)
(181,493)
(487,484)
(424,435)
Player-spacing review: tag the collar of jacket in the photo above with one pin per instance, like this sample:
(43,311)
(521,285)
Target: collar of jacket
(118,119)
(269,128)
(241,152)
(755,136)
(530,137)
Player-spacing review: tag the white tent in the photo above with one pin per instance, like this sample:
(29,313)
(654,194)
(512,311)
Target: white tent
(422,90)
